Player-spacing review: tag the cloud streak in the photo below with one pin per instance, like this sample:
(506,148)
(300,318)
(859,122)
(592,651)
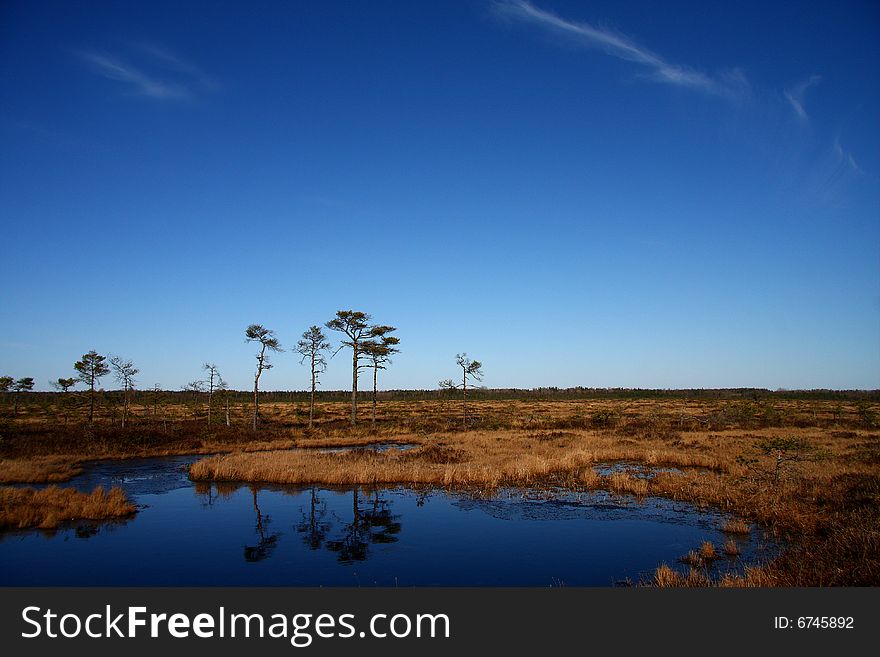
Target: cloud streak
(845,157)
(623,47)
(158,75)
(795,95)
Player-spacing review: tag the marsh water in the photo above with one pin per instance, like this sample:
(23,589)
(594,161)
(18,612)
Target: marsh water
(225,534)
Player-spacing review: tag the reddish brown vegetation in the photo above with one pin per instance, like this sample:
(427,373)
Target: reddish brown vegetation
(47,508)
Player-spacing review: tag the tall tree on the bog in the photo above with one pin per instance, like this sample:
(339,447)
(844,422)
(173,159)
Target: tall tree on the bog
(222,389)
(25,384)
(356,326)
(469,369)
(90,370)
(268,343)
(214,381)
(378,350)
(62,384)
(124,371)
(312,347)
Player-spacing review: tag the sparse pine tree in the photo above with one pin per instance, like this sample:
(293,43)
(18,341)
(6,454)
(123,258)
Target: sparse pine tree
(62,384)
(312,347)
(355,325)
(90,370)
(124,371)
(25,384)
(213,382)
(268,343)
(379,349)
(469,369)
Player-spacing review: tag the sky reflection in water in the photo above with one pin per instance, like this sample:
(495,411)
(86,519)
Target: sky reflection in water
(226,534)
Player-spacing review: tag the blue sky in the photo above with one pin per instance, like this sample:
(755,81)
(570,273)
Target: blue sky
(626,194)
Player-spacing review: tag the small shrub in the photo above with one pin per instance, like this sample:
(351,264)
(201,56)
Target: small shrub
(707,551)
(736,526)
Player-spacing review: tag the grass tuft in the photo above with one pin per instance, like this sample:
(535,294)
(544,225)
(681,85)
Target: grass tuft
(21,508)
(707,551)
(38,470)
(736,526)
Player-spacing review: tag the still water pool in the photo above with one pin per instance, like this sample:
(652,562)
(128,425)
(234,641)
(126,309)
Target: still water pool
(222,534)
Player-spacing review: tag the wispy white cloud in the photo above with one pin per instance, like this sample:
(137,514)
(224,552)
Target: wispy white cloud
(142,84)
(831,177)
(795,95)
(163,57)
(158,74)
(733,84)
(845,157)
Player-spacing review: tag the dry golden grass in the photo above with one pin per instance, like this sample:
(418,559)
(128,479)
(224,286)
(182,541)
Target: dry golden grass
(692,559)
(655,418)
(736,526)
(753,577)
(21,508)
(38,470)
(818,504)
(589,478)
(475,459)
(731,549)
(666,577)
(709,461)
(707,551)
(701,451)
(621,482)
(702,557)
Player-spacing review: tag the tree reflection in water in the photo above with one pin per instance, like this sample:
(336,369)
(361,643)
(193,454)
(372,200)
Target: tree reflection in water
(266,542)
(210,492)
(314,525)
(372,524)
(205,493)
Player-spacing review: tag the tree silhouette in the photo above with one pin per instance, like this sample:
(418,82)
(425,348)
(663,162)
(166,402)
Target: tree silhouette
(90,370)
(124,372)
(222,389)
(383,524)
(378,350)
(25,384)
(312,347)
(62,384)
(355,325)
(265,542)
(313,526)
(268,342)
(354,544)
(193,400)
(214,381)
(469,369)
(371,525)
(157,399)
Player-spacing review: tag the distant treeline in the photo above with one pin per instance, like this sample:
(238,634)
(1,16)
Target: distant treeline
(371,345)
(146,397)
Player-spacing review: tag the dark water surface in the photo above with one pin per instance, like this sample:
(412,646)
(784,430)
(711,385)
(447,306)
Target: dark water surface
(220,534)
